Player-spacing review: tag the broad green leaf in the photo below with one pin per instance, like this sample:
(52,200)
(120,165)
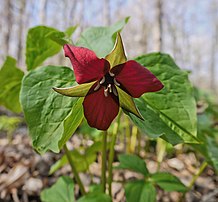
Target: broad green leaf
(140,191)
(78,159)
(62,37)
(174,104)
(168,182)
(61,191)
(153,126)
(43,42)
(132,162)
(101,39)
(75,91)
(117,55)
(9,123)
(82,161)
(10,82)
(46,111)
(95,197)
(212,151)
(209,150)
(127,103)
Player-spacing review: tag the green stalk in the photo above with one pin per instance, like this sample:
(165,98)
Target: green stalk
(160,150)
(104,163)
(111,154)
(128,135)
(195,177)
(133,139)
(76,174)
(139,143)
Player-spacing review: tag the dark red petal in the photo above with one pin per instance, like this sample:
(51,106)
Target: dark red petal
(136,79)
(99,110)
(86,65)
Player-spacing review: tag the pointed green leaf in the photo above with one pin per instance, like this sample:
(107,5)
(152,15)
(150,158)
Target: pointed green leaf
(127,103)
(72,122)
(10,82)
(62,37)
(95,197)
(174,105)
(101,39)
(70,30)
(132,162)
(140,191)
(82,161)
(168,182)
(209,149)
(117,55)
(43,42)
(47,112)
(152,125)
(61,191)
(75,91)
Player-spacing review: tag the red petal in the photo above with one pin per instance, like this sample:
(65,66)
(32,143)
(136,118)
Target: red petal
(99,110)
(136,79)
(86,65)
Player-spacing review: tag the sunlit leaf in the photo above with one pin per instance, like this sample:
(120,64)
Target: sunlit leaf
(173,107)
(101,39)
(61,191)
(43,42)
(81,161)
(46,111)
(10,82)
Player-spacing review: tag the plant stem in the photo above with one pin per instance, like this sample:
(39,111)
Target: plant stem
(201,169)
(111,154)
(195,177)
(133,139)
(160,150)
(76,174)
(128,135)
(139,143)
(104,163)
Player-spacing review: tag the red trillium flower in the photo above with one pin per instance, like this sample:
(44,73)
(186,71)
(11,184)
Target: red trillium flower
(107,84)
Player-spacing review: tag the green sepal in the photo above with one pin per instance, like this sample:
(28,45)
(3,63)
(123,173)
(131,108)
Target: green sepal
(127,103)
(117,55)
(75,91)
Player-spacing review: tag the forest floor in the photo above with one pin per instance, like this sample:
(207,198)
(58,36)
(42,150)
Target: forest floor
(24,173)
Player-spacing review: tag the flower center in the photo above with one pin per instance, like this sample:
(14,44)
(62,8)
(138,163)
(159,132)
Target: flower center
(108,82)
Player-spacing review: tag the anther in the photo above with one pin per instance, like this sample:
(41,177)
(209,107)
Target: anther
(109,87)
(111,74)
(97,87)
(102,80)
(116,83)
(105,92)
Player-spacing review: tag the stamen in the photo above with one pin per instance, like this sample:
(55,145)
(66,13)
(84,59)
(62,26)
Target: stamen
(109,87)
(102,80)
(116,83)
(105,92)
(114,91)
(97,87)
(111,74)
